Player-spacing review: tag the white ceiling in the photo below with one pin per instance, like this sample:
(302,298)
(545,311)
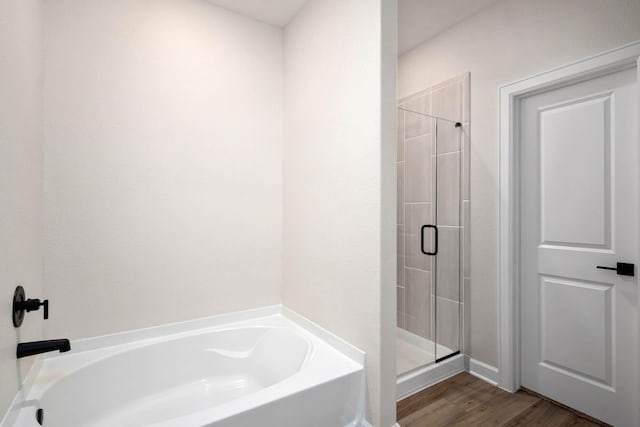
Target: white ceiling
(420,20)
(274,12)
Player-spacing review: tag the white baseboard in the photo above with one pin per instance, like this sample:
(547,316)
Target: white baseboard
(483,371)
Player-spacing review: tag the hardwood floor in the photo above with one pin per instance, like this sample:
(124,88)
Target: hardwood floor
(465,400)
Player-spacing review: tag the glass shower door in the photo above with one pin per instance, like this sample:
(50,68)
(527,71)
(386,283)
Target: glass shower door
(429,233)
(448,221)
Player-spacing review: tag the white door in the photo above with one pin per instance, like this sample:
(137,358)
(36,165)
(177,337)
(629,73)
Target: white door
(579,164)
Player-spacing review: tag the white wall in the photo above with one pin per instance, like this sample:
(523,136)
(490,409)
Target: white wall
(339,247)
(507,42)
(20,181)
(163,163)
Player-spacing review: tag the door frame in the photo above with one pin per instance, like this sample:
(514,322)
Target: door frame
(625,57)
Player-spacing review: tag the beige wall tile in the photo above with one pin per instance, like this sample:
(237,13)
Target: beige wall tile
(416,124)
(400,136)
(418,301)
(447,324)
(447,101)
(416,216)
(400,193)
(448,263)
(400,251)
(449,137)
(418,169)
(448,191)
(401,310)
(447,104)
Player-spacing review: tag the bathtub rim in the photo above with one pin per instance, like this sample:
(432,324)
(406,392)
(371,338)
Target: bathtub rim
(193,325)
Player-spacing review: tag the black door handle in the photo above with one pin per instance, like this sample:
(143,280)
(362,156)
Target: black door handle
(435,242)
(621,268)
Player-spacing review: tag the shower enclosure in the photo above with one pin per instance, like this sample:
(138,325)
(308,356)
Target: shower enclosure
(432,136)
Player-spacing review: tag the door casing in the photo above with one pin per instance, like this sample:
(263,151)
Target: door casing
(509,223)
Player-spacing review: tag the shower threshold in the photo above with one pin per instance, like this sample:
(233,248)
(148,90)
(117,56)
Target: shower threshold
(418,368)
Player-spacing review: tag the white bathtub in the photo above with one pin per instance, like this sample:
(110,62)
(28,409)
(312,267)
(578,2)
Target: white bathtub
(256,368)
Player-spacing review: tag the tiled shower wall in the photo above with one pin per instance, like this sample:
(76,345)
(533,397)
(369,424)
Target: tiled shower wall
(419,201)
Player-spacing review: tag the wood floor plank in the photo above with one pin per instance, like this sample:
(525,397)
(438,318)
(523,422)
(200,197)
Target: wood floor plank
(440,411)
(543,413)
(474,395)
(498,411)
(464,400)
(418,400)
(576,420)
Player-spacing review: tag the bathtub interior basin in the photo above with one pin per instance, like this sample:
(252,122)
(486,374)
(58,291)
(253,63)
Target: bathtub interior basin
(174,378)
(226,374)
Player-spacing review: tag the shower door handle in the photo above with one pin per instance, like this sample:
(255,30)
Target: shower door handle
(435,239)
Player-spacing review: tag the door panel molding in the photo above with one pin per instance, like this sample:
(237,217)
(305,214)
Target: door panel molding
(560,224)
(596,306)
(625,57)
